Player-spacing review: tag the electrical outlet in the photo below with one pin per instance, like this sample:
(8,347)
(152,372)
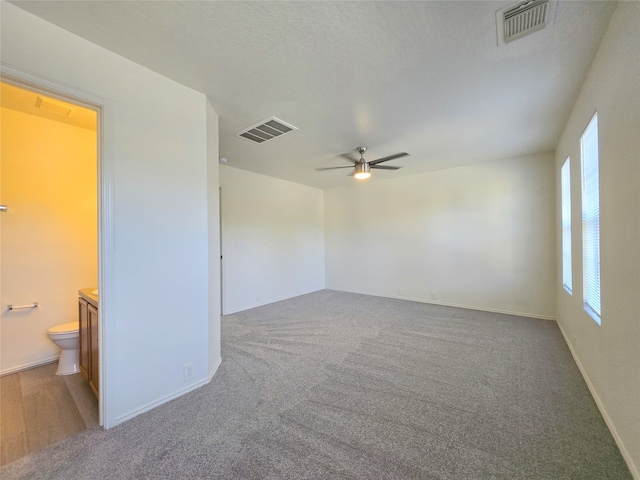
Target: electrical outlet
(434,295)
(400,292)
(188,372)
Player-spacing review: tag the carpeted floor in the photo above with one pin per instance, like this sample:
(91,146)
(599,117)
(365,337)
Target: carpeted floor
(334,385)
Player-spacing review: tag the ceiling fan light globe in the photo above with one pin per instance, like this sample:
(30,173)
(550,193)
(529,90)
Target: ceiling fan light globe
(362,171)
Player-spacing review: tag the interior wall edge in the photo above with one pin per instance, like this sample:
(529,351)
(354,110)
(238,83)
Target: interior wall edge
(214,236)
(635,471)
(214,369)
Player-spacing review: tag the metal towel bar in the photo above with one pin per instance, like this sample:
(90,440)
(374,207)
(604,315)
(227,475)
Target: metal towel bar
(16,307)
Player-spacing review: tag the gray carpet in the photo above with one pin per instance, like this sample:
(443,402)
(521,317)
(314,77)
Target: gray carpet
(338,385)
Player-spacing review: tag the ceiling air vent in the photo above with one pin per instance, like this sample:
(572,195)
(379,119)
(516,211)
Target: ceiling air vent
(523,18)
(266,130)
(52,106)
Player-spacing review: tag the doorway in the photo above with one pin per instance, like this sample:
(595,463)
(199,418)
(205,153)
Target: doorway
(49,179)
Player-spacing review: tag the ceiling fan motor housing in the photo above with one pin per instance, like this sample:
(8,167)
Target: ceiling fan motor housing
(363,168)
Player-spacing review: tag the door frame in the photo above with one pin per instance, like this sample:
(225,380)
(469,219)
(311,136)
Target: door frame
(103,108)
(220,233)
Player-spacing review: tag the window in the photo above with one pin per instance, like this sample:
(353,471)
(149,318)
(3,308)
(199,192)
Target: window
(565,180)
(591,220)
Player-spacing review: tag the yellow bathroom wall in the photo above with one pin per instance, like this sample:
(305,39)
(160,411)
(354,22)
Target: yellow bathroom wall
(49,239)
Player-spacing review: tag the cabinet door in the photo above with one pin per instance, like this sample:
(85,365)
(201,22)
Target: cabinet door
(94,375)
(83,318)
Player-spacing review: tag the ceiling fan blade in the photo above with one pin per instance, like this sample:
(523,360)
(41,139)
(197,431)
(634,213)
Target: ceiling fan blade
(333,168)
(384,167)
(350,157)
(390,157)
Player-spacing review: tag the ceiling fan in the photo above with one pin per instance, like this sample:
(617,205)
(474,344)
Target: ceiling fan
(362,168)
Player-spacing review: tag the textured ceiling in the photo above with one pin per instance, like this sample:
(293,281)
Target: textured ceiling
(426,78)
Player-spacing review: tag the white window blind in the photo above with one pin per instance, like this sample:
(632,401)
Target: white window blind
(591,220)
(565,180)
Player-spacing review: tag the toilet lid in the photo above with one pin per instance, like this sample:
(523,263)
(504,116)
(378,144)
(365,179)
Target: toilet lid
(65,328)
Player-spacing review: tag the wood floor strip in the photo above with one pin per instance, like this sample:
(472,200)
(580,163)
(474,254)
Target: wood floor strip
(48,422)
(39,408)
(84,399)
(13,430)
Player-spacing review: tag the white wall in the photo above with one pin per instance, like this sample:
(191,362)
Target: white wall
(479,237)
(155,305)
(272,239)
(49,233)
(609,355)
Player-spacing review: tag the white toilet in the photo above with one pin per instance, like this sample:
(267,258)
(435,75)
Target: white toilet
(65,336)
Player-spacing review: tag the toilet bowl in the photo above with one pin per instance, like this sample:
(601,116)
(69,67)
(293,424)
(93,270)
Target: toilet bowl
(65,336)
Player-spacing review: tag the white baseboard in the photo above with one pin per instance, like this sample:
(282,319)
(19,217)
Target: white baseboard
(28,366)
(236,309)
(178,393)
(456,305)
(156,403)
(635,473)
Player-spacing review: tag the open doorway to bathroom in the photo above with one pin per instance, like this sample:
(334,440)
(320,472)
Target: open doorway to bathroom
(48,252)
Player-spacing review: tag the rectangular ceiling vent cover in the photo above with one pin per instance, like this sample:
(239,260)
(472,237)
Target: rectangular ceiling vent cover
(523,18)
(266,130)
(53,107)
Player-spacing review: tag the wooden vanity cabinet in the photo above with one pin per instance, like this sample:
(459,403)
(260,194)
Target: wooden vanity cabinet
(83,339)
(88,343)
(94,360)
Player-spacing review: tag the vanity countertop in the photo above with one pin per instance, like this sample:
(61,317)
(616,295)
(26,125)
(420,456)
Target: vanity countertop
(87,294)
